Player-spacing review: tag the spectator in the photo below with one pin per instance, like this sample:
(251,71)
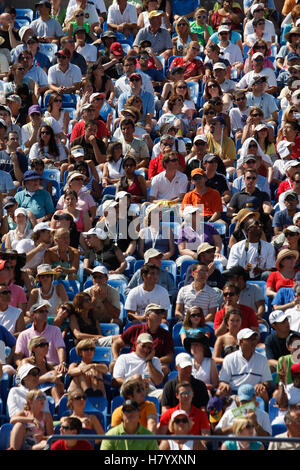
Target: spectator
(232,376)
(57,353)
(64,77)
(198,293)
(45,28)
(159,37)
(275,342)
(12,160)
(183,364)
(130,425)
(148,292)
(135,388)
(242,427)
(291,420)
(194,324)
(228,342)
(122,18)
(71,425)
(163,344)
(11,318)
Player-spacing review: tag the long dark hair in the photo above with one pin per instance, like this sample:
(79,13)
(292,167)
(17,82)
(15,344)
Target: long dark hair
(21,261)
(90,75)
(52,146)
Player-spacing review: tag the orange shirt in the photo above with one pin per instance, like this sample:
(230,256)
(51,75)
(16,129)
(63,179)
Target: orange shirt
(211,201)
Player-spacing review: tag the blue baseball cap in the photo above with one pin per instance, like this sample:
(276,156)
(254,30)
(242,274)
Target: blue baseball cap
(30,175)
(292,55)
(246,392)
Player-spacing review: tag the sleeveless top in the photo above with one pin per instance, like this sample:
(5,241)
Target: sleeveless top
(203,373)
(88,328)
(180,45)
(188,445)
(61,117)
(134,189)
(54,300)
(30,430)
(79,224)
(232,445)
(115,169)
(64,264)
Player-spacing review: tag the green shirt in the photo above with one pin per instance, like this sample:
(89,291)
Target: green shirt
(199,30)
(131,444)
(289,362)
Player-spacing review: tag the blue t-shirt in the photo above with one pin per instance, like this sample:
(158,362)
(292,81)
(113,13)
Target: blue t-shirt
(192,332)
(232,445)
(249,3)
(282,219)
(234,37)
(285,295)
(182,8)
(6,339)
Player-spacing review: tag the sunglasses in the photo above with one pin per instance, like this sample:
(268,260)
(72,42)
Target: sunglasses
(223,34)
(256,115)
(212,113)
(196,315)
(260,59)
(61,56)
(45,133)
(252,146)
(197,177)
(181,420)
(129,165)
(40,397)
(99,276)
(182,87)
(186,394)
(135,79)
(42,345)
(66,428)
(57,100)
(253,178)
(98,99)
(197,144)
(290,234)
(212,86)
(79,397)
(21,69)
(200,17)
(88,349)
(79,15)
(228,294)
(240,99)
(259,9)
(5,292)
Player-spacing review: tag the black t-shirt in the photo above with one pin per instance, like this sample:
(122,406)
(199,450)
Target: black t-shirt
(194,163)
(253,201)
(5,36)
(275,347)
(200,398)
(218,182)
(214,280)
(7,165)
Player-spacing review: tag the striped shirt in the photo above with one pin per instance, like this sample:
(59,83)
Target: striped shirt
(206,298)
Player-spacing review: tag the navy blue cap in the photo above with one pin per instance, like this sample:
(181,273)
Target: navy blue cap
(292,55)
(30,175)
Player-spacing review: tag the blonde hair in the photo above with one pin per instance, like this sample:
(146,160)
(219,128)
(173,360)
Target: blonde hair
(239,424)
(71,395)
(171,424)
(84,343)
(30,397)
(184,20)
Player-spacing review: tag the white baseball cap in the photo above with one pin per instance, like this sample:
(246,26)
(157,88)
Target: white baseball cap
(183,360)
(151,253)
(257,54)
(42,226)
(219,65)
(283,148)
(277,316)
(77,152)
(96,231)
(256,7)
(296,217)
(245,333)
(100,269)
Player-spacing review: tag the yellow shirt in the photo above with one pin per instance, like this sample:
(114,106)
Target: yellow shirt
(226,152)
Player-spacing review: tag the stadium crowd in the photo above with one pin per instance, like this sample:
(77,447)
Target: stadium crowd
(150,223)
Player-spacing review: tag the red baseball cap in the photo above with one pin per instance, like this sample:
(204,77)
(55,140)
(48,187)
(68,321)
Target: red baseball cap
(2,263)
(135,75)
(64,52)
(295,368)
(117,49)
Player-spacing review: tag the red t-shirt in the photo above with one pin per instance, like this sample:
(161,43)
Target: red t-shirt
(79,128)
(80,445)
(155,165)
(249,318)
(198,417)
(192,69)
(162,340)
(284,186)
(275,281)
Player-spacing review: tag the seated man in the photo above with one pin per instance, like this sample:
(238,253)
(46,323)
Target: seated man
(159,37)
(12,160)
(46,28)
(135,388)
(165,279)
(122,18)
(40,327)
(197,293)
(136,148)
(105,299)
(275,342)
(64,77)
(245,366)
(141,361)
(163,343)
(184,394)
(148,292)
(71,425)
(183,363)
(135,84)
(261,421)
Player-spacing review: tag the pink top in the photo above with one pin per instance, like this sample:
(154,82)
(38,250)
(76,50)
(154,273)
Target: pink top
(18,295)
(51,333)
(84,203)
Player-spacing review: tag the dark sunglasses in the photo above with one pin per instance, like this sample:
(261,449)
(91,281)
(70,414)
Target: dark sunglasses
(66,428)
(182,87)
(129,165)
(5,292)
(195,315)
(20,69)
(290,234)
(252,146)
(181,420)
(57,100)
(212,113)
(45,133)
(79,15)
(135,79)
(42,345)
(197,177)
(240,99)
(79,397)
(212,86)
(255,115)
(250,178)
(198,144)
(228,294)
(88,349)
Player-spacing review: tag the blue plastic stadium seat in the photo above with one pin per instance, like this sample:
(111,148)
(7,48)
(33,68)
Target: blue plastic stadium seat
(102,354)
(72,287)
(24,13)
(108,329)
(183,268)
(175,334)
(5,431)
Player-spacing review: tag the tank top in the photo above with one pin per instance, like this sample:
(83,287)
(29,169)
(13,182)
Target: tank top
(61,117)
(180,45)
(64,264)
(188,445)
(203,373)
(54,300)
(115,169)
(135,188)
(79,223)
(30,430)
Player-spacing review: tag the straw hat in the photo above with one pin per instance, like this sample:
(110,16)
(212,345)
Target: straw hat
(45,269)
(243,214)
(283,254)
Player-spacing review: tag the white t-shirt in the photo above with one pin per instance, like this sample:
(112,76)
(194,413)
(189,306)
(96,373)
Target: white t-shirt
(9,317)
(180,148)
(57,77)
(35,153)
(138,298)
(238,118)
(162,188)
(269,29)
(238,256)
(129,15)
(252,38)
(232,53)
(294,318)
(262,419)
(293,394)
(27,245)
(27,130)
(89,52)
(245,81)
(89,9)
(236,370)
(130,364)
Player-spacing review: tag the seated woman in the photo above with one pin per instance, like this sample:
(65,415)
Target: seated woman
(256,117)
(91,185)
(180,424)
(32,426)
(76,403)
(153,235)
(285,273)
(194,69)
(83,323)
(183,37)
(180,88)
(63,258)
(53,293)
(212,56)
(204,367)
(21,232)
(193,324)
(176,116)
(132,183)
(259,46)
(227,9)
(113,168)
(18,281)
(38,347)
(261,135)
(87,375)
(243,426)
(228,343)
(199,26)
(55,110)
(209,112)
(47,148)
(62,219)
